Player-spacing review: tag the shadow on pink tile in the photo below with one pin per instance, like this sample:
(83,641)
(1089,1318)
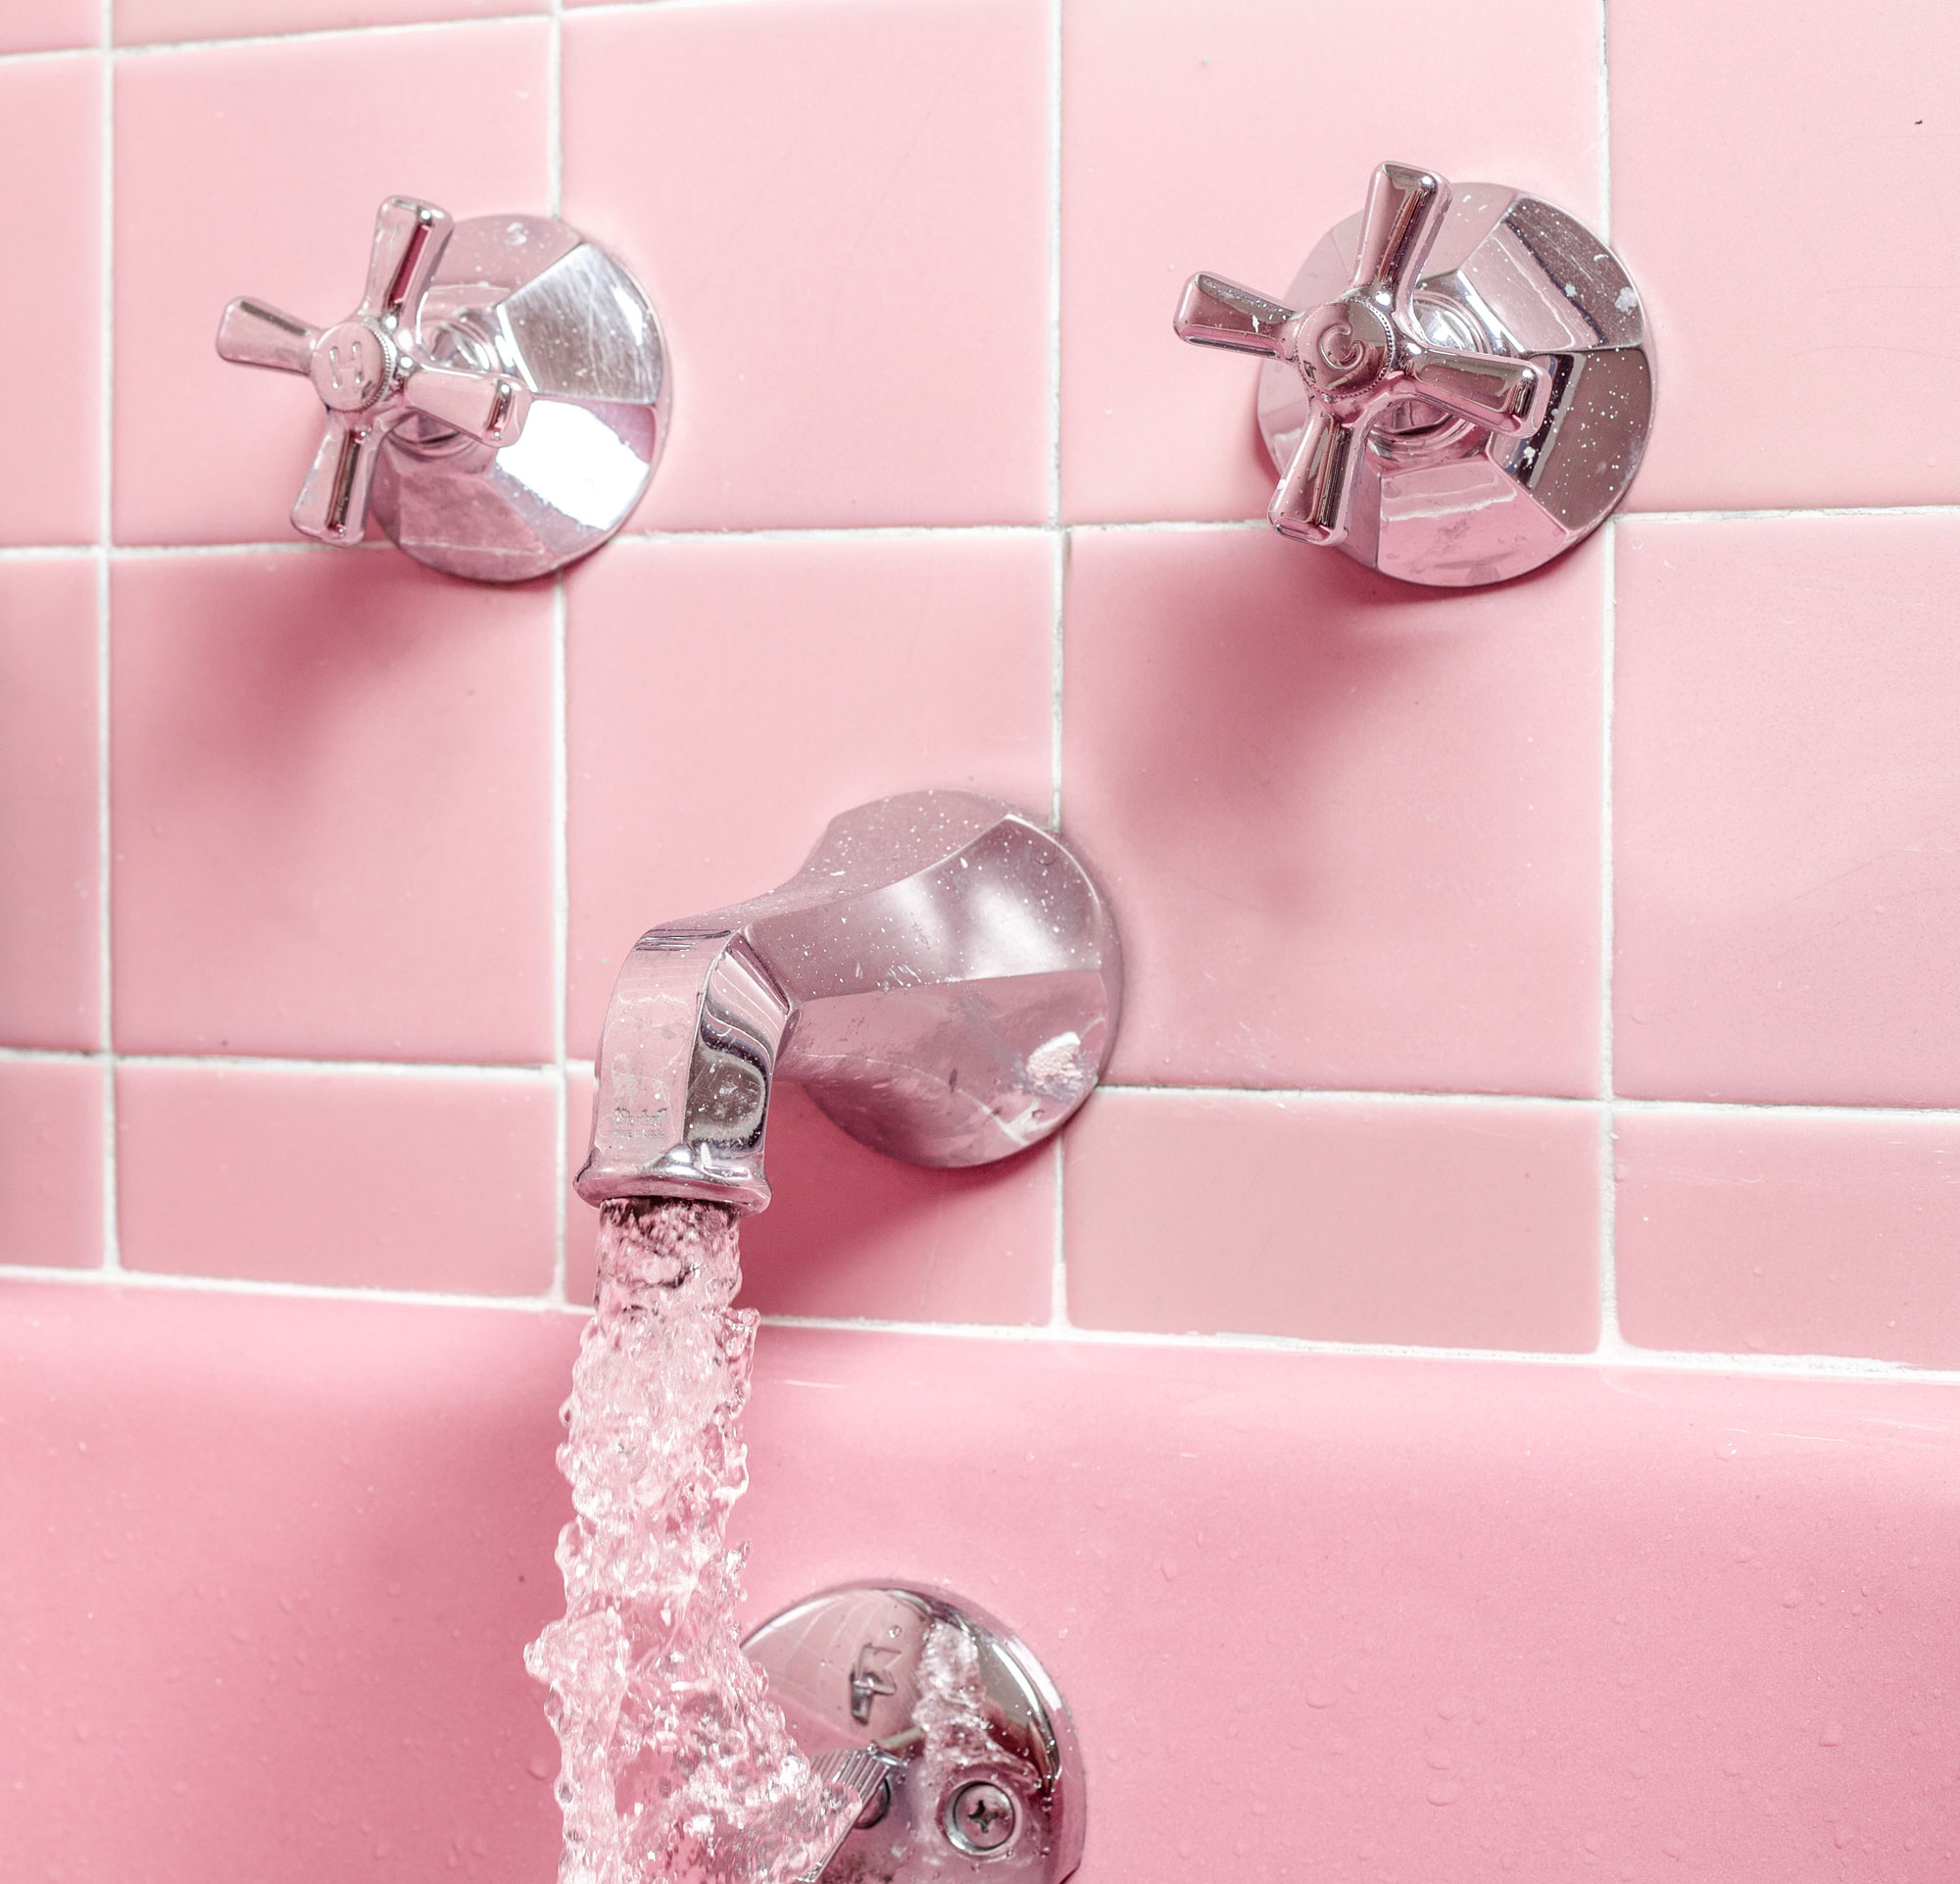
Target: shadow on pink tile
(212,453)
(841,208)
(142,21)
(362,1181)
(852,1233)
(1351,827)
(1822,1233)
(333,807)
(1224,138)
(51,1162)
(50,207)
(50,847)
(1786,819)
(728,699)
(1427,1224)
(1816,186)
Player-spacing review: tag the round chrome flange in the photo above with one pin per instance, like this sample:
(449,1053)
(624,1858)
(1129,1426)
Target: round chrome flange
(531,297)
(1436,498)
(982,1781)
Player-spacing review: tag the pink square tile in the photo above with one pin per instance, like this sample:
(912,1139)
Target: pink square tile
(282,1561)
(51,1162)
(362,1180)
(51,210)
(331,808)
(144,22)
(1351,827)
(728,699)
(841,208)
(284,138)
(1787,819)
(852,1233)
(1231,137)
(1821,1233)
(1426,1222)
(50,849)
(48,26)
(1778,181)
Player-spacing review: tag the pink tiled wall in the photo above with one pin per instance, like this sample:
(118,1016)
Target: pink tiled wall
(1558,977)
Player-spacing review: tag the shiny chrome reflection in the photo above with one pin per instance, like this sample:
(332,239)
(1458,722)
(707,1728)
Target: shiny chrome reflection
(497,401)
(942,1725)
(943,975)
(1457,385)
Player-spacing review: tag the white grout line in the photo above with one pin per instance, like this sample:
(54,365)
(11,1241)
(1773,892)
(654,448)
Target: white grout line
(1611,1341)
(1637,1360)
(1058,603)
(112,1225)
(1057,1288)
(560,771)
(555,109)
(1054,261)
(1821,1367)
(910,532)
(314,35)
(574,1067)
(167,1282)
(1605,128)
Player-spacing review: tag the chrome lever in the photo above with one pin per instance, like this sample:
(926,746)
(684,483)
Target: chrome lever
(1458,386)
(465,331)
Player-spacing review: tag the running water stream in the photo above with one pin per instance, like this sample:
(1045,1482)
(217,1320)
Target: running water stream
(677,1766)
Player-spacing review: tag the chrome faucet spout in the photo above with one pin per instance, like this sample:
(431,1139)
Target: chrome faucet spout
(943,975)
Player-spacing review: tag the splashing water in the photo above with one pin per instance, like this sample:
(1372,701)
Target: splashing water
(677,1766)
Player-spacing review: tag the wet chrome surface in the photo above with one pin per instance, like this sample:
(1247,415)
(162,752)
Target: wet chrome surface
(1457,385)
(497,402)
(977,1777)
(942,976)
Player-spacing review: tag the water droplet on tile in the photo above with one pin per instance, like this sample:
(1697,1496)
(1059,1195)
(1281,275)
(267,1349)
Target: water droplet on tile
(1445,1791)
(1319,1696)
(1831,1736)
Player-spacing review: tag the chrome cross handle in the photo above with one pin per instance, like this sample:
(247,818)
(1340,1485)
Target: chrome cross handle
(372,373)
(1362,354)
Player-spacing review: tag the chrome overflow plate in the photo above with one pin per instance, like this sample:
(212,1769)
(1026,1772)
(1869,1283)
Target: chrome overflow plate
(1457,385)
(497,402)
(941,1723)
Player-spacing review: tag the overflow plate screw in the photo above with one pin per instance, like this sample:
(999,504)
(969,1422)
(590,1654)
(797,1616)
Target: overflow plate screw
(980,1819)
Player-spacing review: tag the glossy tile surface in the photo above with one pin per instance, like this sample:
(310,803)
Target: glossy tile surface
(48,26)
(1790,1233)
(728,699)
(853,1235)
(51,1162)
(1205,135)
(50,846)
(1423,1224)
(211,453)
(1527,1615)
(331,808)
(1353,829)
(140,21)
(362,1181)
(1787,824)
(1835,154)
(51,114)
(841,208)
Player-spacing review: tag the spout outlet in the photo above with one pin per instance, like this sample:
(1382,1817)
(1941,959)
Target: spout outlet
(943,975)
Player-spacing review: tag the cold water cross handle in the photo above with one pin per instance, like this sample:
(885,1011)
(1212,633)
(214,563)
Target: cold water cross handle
(942,976)
(371,372)
(1361,353)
